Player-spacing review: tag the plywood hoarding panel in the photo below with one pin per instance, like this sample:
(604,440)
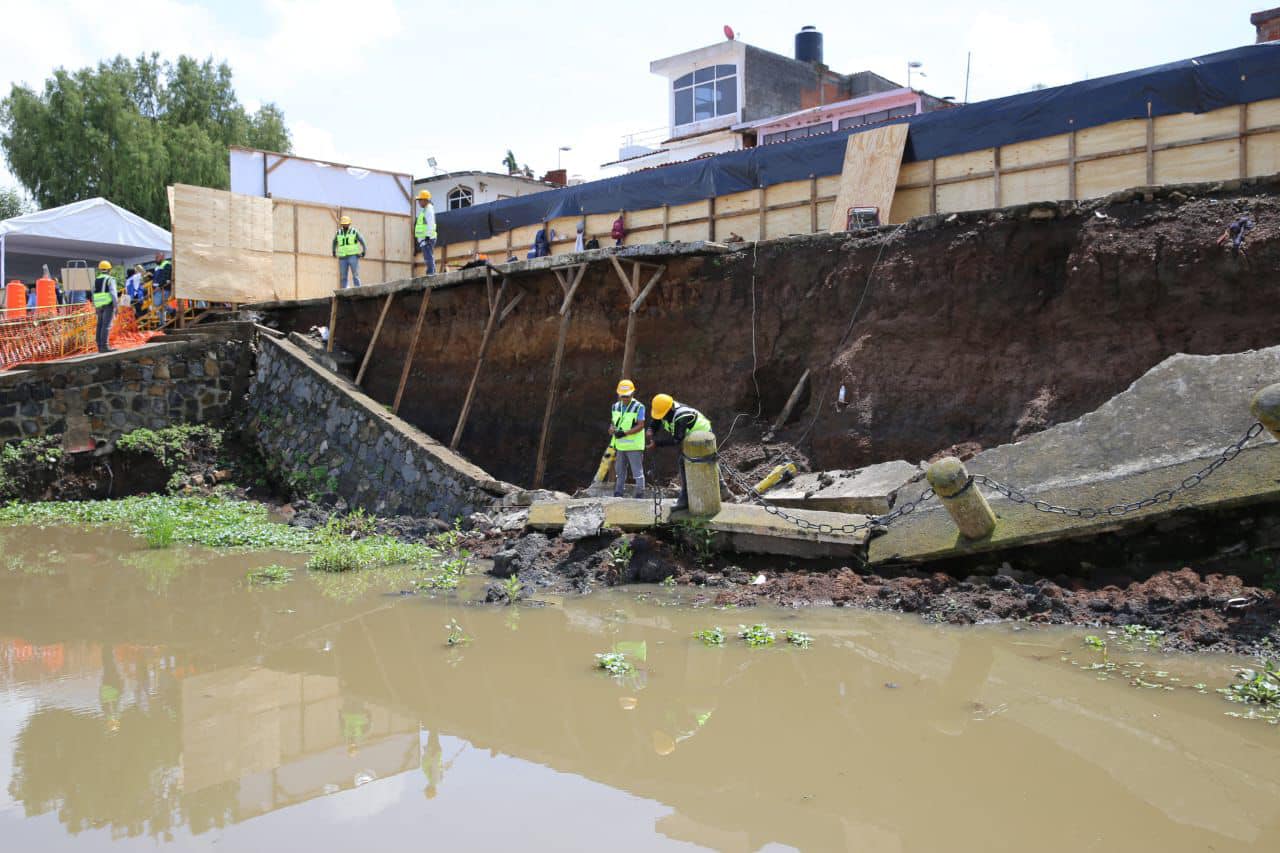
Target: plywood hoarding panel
(870,174)
(370,227)
(1117,136)
(316,227)
(1214,161)
(1034,151)
(1264,154)
(1264,114)
(222,246)
(964,165)
(793,220)
(1110,174)
(397,272)
(908,204)
(791,191)
(284,275)
(745,225)
(398,234)
(1048,184)
(1184,126)
(915,173)
(282,217)
(317,276)
(727,205)
(977,194)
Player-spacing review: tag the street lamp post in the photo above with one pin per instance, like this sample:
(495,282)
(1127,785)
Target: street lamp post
(914,65)
(563,148)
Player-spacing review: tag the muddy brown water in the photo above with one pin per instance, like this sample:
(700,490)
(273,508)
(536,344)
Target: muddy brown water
(154,698)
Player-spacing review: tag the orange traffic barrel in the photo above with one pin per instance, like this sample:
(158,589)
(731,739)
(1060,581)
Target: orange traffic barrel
(46,294)
(15,299)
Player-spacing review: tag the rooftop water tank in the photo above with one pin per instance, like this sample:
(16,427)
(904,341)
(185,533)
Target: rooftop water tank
(809,45)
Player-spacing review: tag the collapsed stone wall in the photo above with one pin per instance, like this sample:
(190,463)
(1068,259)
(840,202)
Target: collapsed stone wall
(306,418)
(975,329)
(196,378)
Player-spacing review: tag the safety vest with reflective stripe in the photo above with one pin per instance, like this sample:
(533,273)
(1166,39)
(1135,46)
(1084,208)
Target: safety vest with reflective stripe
(421,228)
(624,418)
(686,414)
(102,290)
(348,242)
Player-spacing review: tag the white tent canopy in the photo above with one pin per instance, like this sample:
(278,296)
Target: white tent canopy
(91,230)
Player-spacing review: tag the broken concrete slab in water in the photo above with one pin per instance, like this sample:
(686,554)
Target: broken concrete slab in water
(1151,439)
(870,490)
(740,528)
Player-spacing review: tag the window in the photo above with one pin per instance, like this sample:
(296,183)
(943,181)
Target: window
(706,93)
(797,133)
(872,118)
(460,196)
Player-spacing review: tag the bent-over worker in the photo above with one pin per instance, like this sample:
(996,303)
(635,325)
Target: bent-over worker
(677,420)
(105,297)
(348,248)
(627,429)
(424,230)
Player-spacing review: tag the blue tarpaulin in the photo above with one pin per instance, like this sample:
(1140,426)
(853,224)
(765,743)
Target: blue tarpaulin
(1198,85)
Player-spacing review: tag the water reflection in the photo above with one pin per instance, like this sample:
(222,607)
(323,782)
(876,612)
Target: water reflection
(222,709)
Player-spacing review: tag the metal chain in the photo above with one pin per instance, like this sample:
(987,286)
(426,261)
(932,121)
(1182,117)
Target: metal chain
(1161,497)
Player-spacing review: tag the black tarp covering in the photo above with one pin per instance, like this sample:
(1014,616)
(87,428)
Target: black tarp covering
(1197,85)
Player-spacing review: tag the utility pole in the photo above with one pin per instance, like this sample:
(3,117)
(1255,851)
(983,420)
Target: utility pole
(968,60)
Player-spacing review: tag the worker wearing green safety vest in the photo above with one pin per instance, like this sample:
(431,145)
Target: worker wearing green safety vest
(627,431)
(104,304)
(348,248)
(424,231)
(677,421)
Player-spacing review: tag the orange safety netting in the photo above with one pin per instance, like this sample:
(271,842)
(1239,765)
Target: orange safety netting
(50,333)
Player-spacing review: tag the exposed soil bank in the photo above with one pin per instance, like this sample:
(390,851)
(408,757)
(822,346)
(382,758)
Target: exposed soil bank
(976,329)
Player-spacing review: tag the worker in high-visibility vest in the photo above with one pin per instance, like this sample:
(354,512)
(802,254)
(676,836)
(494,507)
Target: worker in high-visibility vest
(105,297)
(676,421)
(627,431)
(424,231)
(348,248)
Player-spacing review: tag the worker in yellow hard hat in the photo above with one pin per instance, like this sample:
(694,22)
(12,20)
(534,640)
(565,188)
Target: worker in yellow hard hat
(627,431)
(105,299)
(424,230)
(672,421)
(348,248)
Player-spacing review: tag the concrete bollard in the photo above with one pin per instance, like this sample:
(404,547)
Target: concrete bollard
(703,477)
(969,509)
(1266,408)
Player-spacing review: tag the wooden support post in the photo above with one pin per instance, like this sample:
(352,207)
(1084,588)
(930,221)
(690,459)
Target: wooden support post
(488,287)
(666,222)
(540,465)
(1071,164)
(1242,135)
(333,319)
(413,346)
(763,211)
(1151,147)
(475,374)
(813,204)
(570,288)
(791,401)
(502,318)
(373,341)
(933,185)
(995,174)
(711,219)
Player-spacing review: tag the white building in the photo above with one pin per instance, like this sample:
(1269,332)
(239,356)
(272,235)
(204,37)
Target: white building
(452,190)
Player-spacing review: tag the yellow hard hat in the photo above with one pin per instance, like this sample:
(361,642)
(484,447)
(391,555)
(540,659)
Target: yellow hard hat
(424,195)
(104,265)
(662,404)
(346,220)
(626,388)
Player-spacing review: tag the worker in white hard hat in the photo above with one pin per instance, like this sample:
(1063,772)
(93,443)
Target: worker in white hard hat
(348,248)
(627,431)
(424,230)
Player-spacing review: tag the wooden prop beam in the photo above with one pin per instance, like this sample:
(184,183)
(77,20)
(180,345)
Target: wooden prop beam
(638,296)
(475,374)
(791,401)
(373,341)
(566,314)
(333,319)
(413,346)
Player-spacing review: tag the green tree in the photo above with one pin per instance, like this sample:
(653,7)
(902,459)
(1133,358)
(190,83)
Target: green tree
(128,129)
(12,203)
(510,162)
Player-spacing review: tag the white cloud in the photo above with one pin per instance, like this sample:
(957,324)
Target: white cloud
(315,142)
(1012,55)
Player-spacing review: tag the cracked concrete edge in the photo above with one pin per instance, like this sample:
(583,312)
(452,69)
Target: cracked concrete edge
(446,457)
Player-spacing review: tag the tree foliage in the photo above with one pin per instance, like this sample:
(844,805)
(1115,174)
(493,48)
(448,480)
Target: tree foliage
(128,129)
(12,203)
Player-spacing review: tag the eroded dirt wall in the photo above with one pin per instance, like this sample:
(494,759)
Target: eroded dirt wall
(975,329)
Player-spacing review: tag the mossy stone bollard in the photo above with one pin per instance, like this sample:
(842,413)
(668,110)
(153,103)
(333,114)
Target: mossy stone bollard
(703,477)
(1266,408)
(969,509)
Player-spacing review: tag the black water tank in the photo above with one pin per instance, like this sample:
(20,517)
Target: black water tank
(809,45)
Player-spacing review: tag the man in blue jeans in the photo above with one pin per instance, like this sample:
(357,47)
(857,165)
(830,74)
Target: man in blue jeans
(348,247)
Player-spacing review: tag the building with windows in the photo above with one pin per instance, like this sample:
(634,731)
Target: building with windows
(733,95)
(454,190)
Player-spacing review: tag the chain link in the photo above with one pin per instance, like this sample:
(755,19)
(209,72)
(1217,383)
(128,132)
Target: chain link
(1115,510)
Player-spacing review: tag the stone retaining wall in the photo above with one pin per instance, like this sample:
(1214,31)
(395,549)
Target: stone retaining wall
(194,377)
(329,437)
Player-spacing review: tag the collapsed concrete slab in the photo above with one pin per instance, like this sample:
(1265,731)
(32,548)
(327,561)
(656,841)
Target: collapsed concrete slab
(869,491)
(1153,437)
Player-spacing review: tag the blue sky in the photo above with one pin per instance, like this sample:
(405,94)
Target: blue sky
(387,84)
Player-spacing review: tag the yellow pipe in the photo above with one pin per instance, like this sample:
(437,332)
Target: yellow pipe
(777,475)
(605,462)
